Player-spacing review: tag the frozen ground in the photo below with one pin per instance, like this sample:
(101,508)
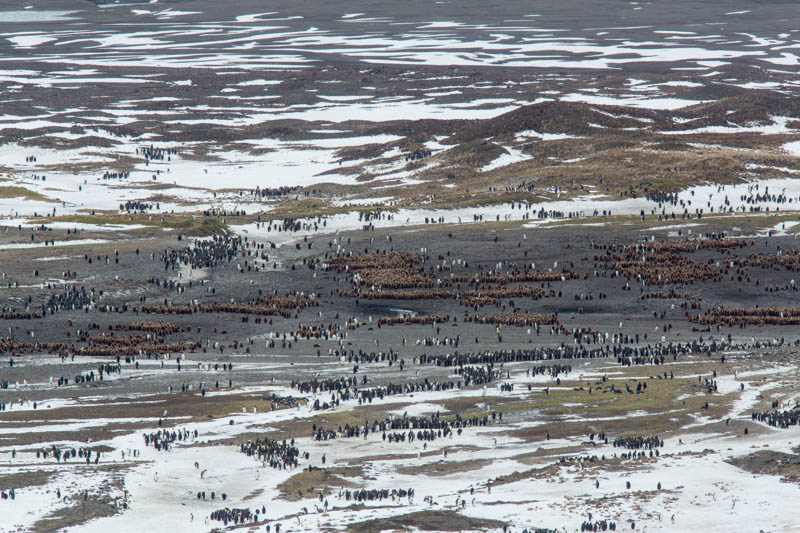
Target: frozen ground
(543,464)
(698,488)
(292,97)
(485,137)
